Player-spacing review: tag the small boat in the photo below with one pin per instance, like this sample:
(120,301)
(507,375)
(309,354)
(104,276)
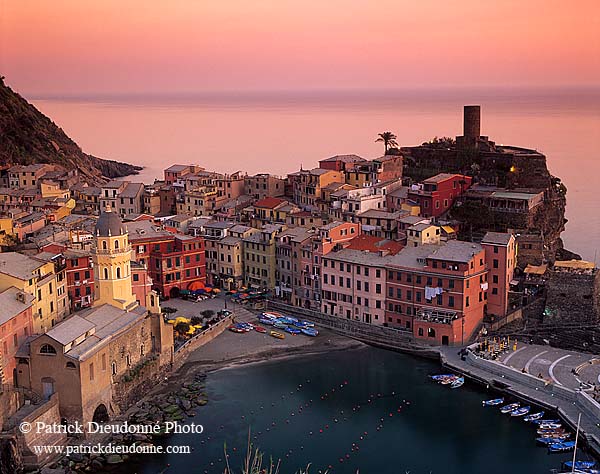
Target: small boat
(308,324)
(556,436)
(540,422)
(580,464)
(459,382)
(561,447)
(268,322)
(493,403)
(546,441)
(520,411)
(449,380)
(277,335)
(292,330)
(260,329)
(310,332)
(279,325)
(271,315)
(439,378)
(236,329)
(510,408)
(300,324)
(534,416)
(549,426)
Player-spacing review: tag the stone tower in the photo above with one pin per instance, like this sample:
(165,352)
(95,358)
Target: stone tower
(112,263)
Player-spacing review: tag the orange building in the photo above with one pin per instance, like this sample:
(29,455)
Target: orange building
(501,256)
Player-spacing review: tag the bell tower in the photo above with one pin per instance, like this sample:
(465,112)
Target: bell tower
(112,263)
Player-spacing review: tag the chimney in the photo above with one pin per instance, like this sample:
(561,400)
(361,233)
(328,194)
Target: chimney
(472,123)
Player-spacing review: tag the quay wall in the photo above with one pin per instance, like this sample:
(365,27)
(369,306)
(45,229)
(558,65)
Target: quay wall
(568,403)
(195,342)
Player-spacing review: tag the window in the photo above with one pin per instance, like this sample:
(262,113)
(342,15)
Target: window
(136,277)
(116,244)
(378,288)
(71,365)
(467,302)
(92,371)
(495,278)
(118,272)
(76,276)
(114,368)
(451,301)
(494,291)
(106,273)
(495,263)
(420,331)
(47,349)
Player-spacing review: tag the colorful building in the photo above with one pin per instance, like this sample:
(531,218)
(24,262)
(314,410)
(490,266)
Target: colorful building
(16,324)
(437,194)
(501,257)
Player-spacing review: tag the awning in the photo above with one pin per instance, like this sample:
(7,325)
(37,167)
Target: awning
(514,282)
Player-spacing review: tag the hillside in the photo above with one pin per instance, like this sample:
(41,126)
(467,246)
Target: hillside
(27,136)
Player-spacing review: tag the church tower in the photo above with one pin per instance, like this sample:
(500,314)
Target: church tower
(112,263)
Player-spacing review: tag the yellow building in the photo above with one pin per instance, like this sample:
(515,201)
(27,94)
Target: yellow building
(112,263)
(38,278)
(259,257)
(421,234)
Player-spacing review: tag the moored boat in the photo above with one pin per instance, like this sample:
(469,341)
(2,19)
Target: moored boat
(561,447)
(520,411)
(546,441)
(549,426)
(292,330)
(277,335)
(510,407)
(540,422)
(279,325)
(580,464)
(494,402)
(236,329)
(260,329)
(534,416)
(459,382)
(266,321)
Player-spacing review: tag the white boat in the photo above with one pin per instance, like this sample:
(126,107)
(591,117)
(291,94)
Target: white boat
(459,382)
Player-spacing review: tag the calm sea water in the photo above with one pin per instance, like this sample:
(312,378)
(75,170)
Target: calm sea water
(278,133)
(410,425)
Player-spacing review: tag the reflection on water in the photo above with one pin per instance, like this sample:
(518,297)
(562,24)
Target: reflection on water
(278,133)
(366,409)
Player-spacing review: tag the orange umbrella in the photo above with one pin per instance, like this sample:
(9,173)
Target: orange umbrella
(196,285)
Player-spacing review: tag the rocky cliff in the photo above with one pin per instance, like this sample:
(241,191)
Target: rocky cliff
(27,136)
(504,167)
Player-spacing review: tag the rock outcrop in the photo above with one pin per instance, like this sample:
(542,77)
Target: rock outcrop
(27,136)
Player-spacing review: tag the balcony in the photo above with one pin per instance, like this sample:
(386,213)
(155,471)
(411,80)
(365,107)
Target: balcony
(437,316)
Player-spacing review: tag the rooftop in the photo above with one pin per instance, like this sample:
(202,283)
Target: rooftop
(10,304)
(345,158)
(496,238)
(18,265)
(269,202)
(456,251)
(371,243)
(438,178)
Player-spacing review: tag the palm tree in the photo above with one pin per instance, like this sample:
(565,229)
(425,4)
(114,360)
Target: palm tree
(388,139)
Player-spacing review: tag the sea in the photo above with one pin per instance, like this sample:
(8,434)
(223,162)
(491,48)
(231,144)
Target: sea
(279,132)
(366,410)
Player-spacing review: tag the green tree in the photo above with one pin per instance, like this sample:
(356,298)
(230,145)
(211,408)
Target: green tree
(388,139)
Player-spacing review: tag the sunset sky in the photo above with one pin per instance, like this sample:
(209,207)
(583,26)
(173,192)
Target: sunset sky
(61,47)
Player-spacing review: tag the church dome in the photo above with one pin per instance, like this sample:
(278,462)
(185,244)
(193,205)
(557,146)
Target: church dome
(109,224)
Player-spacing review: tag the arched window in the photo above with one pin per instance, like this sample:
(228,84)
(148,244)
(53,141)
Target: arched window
(142,350)
(71,365)
(116,244)
(47,349)
(104,245)
(118,272)
(106,273)
(114,368)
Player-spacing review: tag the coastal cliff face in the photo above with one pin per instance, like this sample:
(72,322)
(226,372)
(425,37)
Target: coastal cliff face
(504,167)
(27,136)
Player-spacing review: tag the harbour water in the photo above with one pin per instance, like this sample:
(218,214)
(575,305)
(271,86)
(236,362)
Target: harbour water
(314,409)
(277,133)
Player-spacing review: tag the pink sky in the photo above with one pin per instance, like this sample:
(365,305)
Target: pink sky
(143,46)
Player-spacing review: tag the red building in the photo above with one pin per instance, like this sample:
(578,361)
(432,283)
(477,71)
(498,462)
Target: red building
(437,292)
(80,275)
(437,194)
(176,263)
(16,324)
(141,283)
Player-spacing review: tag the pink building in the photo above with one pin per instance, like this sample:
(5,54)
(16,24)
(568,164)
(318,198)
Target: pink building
(16,324)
